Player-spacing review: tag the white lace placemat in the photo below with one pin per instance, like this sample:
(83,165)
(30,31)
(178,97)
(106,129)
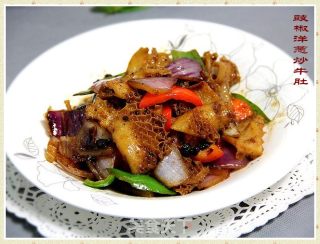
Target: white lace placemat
(54,218)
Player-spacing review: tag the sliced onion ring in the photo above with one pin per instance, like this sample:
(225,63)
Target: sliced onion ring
(228,160)
(214,177)
(185,68)
(154,85)
(65,123)
(104,163)
(172,171)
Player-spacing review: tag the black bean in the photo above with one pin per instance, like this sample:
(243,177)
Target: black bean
(116,102)
(88,140)
(103,143)
(195,150)
(203,145)
(92,159)
(187,150)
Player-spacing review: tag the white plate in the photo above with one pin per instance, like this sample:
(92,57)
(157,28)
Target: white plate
(267,79)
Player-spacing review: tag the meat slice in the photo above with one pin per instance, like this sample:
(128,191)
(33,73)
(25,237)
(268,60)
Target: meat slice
(221,70)
(138,134)
(204,121)
(140,156)
(101,112)
(144,64)
(207,94)
(116,88)
(197,173)
(249,143)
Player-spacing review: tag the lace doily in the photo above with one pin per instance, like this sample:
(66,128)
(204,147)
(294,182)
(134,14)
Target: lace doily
(54,218)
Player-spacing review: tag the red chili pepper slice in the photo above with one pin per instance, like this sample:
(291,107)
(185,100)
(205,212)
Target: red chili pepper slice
(177,93)
(241,109)
(167,113)
(210,154)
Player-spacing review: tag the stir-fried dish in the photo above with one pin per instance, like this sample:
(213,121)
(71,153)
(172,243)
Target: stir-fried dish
(167,125)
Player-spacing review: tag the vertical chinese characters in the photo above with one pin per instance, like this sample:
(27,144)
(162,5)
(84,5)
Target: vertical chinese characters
(300,51)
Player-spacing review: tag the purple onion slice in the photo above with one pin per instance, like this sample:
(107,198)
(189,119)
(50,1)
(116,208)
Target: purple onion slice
(153,85)
(185,68)
(65,123)
(228,160)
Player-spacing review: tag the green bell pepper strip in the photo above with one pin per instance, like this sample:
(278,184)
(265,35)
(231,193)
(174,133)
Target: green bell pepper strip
(193,54)
(109,76)
(100,183)
(141,182)
(82,93)
(254,107)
